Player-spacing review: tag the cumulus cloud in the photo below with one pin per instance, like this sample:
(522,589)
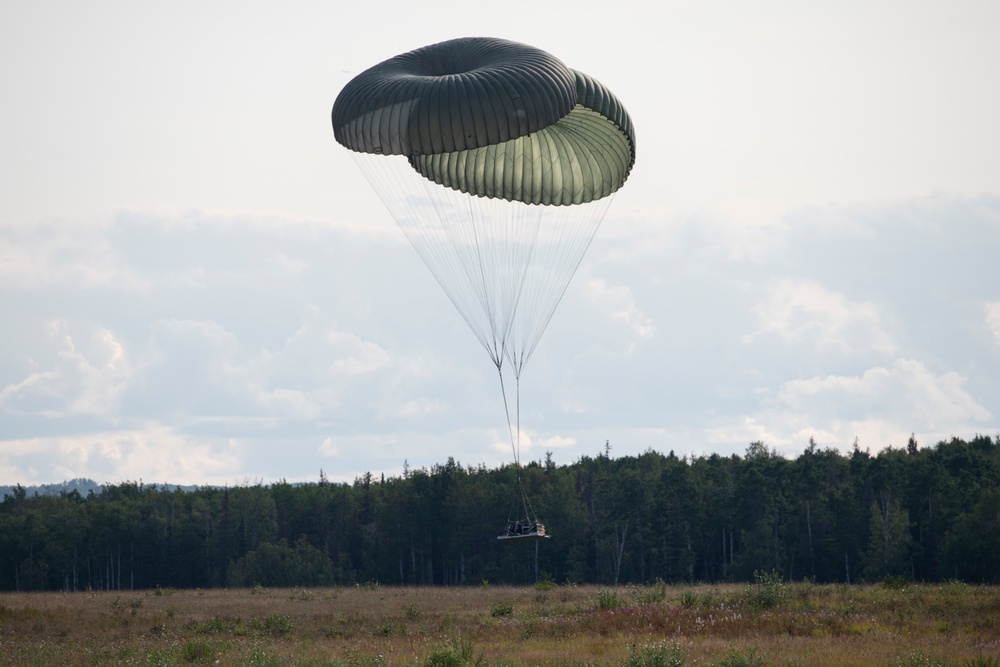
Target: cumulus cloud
(620,304)
(737,435)
(805,311)
(992,313)
(293,403)
(362,448)
(65,255)
(685,238)
(529,443)
(879,407)
(356,356)
(314,339)
(572,407)
(414,408)
(152,452)
(905,391)
(89,374)
(205,371)
(329,448)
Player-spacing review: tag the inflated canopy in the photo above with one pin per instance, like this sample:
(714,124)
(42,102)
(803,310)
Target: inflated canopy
(491,118)
(498,162)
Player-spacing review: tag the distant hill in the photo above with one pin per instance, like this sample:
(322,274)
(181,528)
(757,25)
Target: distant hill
(80,484)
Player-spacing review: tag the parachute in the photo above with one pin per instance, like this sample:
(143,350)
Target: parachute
(499,163)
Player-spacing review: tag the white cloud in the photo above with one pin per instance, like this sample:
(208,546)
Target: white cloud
(328,448)
(295,404)
(905,391)
(359,445)
(88,377)
(992,313)
(153,452)
(207,330)
(316,373)
(573,407)
(529,442)
(679,238)
(620,304)
(306,340)
(414,408)
(881,406)
(805,311)
(282,265)
(737,435)
(356,356)
(67,255)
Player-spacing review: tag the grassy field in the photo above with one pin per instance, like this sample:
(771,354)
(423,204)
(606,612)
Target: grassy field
(767,623)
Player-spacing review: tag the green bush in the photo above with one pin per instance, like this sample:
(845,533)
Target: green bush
(276,625)
(261,658)
(608,600)
(653,594)
(767,591)
(656,655)
(737,659)
(198,651)
(983,661)
(300,594)
(456,653)
(545,585)
(895,582)
(502,610)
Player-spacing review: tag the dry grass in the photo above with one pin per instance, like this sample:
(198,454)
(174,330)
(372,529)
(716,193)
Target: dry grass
(799,624)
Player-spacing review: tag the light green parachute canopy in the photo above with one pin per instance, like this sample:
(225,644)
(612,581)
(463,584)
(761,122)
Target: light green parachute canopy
(491,118)
(498,163)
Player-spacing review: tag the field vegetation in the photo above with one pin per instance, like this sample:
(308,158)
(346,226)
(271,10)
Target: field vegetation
(728,625)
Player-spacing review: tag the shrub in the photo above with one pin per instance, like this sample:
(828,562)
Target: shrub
(261,658)
(456,653)
(767,591)
(217,625)
(608,600)
(653,594)
(688,599)
(387,628)
(502,610)
(983,661)
(197,651)
(275,625)
(737,659)
(656,655)
(300,594)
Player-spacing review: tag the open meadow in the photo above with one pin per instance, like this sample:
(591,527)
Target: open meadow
(766,623)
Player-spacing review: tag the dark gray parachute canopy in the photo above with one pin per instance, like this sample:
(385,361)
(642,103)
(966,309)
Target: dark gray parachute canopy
(491,118)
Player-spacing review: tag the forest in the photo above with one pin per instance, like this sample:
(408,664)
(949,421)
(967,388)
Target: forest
(915,513)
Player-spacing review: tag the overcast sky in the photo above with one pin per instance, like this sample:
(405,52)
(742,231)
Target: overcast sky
(197,285)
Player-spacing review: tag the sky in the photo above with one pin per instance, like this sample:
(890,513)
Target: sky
(197,285)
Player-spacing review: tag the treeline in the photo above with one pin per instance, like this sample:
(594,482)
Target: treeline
(926,514)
